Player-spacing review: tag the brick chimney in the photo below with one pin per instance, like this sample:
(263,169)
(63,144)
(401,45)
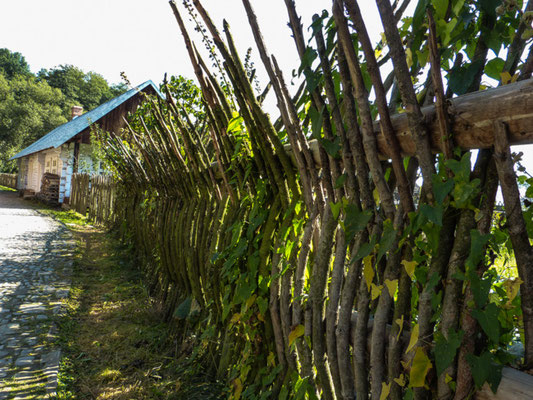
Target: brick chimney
(76,111)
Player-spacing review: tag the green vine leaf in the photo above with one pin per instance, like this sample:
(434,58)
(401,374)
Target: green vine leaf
(488,320)
(484,369)
(441,6)
(494,68)
(432,213)
(441,189)
(446,350)
(387,239)
(355,220)
(336,209)
(183,310)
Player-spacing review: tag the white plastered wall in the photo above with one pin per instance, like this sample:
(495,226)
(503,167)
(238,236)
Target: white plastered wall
(66,157)
(35,171)
(22,182)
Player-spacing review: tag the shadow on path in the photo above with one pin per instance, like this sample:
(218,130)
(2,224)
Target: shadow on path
(35,270)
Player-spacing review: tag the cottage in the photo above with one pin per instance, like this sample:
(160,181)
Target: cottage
(50,161)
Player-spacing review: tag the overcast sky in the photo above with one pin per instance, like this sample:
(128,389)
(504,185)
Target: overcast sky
(141,37)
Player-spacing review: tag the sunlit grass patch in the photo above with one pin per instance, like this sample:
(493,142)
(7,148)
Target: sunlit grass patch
(115,343)
(109,374)
(69,217)
(7,189)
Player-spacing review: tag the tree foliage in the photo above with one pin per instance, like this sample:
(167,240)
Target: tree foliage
(28,110)
(87,89)
(31,106)
(13,63)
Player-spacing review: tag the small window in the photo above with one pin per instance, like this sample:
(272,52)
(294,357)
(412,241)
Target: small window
(54,163)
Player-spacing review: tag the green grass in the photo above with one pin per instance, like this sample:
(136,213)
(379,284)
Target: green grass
(7,189)
(71,218)
(114,343)
(68,217)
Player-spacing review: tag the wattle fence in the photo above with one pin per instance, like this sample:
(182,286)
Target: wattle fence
(9,180)
(305,278)
(94,196)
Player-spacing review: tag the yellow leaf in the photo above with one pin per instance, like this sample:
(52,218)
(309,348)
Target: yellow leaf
(399,322)
(401,380)
(512,286)
(409,55)
(298,331)
(271,359)
(514,78)
(250,301)
(419,369)
(368,271)
(260,317)
(375,193)
(385,390)
(505,77)
(235,318)
(377,53)
(409,267)
(376,291)
(392,286)
(237,389)
(414,338)
(448,378)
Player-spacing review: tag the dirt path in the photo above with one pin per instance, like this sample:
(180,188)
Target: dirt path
(35,270)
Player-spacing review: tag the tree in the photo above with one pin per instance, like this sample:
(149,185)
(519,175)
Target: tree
(28,110)
(80,88)
(32,106)
(13,63)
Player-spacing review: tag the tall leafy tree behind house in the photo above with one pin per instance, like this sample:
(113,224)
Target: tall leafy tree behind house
(87,89)
(28,110)
(33,105)
(13,63)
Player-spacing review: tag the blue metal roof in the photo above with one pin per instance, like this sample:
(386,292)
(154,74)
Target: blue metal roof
(67,131)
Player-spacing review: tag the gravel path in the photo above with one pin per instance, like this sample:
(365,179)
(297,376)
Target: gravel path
(35,267)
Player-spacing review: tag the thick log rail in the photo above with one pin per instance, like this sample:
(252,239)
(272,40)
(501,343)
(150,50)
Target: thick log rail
(472,116)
